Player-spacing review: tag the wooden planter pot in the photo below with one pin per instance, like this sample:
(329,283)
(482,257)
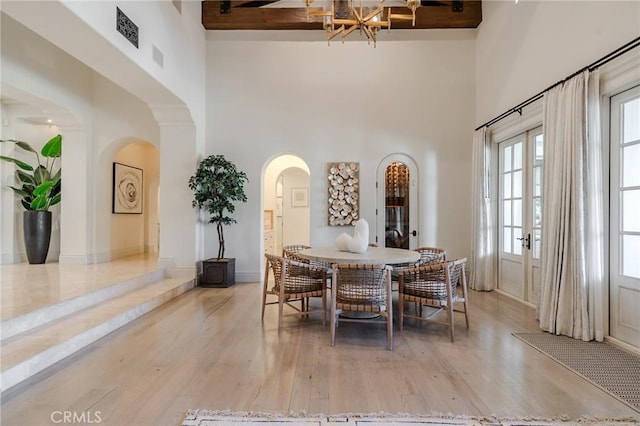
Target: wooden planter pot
(217,273)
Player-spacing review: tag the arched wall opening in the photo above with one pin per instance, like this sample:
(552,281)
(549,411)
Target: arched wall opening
(135,230)
(286,205)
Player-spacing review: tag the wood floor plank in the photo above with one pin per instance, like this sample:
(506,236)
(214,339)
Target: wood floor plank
(209,349)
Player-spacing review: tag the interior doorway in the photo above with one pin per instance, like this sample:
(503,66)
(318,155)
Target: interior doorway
(286,203)
(397,209)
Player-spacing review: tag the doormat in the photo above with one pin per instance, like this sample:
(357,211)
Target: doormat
(610,368)
(231,418)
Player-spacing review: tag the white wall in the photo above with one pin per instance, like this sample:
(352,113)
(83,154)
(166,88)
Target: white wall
(295,220)
(346,102)
(526,47)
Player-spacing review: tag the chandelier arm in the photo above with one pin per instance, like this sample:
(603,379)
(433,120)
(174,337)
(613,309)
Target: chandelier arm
(332,34)
(368,32)
(373,14)
(349,30)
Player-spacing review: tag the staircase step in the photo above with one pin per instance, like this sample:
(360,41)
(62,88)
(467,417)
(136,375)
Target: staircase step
(30,352)
(30,320)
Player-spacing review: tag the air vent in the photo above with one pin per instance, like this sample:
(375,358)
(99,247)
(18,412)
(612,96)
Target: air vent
(158,57)
(126,27)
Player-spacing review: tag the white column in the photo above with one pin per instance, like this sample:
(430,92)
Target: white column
(176,216)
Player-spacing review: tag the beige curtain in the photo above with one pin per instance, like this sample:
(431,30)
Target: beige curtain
(483,250)
(571,264)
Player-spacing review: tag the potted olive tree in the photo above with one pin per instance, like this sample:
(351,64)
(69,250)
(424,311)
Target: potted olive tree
(217,185)
(39,190)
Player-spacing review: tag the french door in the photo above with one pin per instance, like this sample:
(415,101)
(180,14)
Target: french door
(520,215)
(624,227)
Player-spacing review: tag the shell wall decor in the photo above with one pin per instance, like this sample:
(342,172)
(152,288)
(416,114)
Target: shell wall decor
(344,193)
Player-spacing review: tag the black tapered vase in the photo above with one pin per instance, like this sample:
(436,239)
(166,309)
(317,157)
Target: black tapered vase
(37,235)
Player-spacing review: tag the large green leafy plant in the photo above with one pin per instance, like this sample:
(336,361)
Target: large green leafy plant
(39,185)
(217,185)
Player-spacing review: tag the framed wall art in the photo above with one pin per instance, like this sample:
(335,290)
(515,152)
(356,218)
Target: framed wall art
(268,220)
(299,197)
(344,190)
(127,189)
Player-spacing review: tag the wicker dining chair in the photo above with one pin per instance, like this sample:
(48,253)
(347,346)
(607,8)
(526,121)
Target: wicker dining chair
(291,252)
(294,281)
(428,255)
(436,286)
(361,288)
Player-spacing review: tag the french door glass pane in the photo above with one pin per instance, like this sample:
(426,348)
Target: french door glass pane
(506,187)
(517,184)
(630,255)
(506,239)
(517,212)
(631,212)
(517,244)
(631,165)
(517,156)
(507,213)
(537,212)
(507,159)
(631,121)
(535,244)
(537,181)
(539,150)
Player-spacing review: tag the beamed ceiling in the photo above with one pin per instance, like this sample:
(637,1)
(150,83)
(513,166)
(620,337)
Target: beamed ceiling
(266,15)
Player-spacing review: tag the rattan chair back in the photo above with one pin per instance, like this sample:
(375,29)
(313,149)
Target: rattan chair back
(361,288)
(294,281)
(291,252)
(438,285)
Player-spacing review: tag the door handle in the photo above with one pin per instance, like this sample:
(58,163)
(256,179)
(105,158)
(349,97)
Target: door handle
(414,233)
(526,241)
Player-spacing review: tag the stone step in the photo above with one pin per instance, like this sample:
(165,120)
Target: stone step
(30,352)
(30,320)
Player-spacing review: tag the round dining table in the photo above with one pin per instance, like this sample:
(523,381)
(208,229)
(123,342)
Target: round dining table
(373,255)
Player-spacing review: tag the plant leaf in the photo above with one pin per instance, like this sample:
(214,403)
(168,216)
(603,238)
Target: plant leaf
(25,177)
(53,148)
(41,175)
(20,192)
(43,189)
(39,203)
(25,146)
(55,199)
(21,164)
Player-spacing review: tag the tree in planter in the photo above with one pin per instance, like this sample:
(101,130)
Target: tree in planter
(216,186)
(39,190)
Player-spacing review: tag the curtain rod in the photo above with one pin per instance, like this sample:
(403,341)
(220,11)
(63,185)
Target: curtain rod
(594,65)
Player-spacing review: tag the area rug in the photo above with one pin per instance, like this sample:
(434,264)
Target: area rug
(229,418)
(612,369)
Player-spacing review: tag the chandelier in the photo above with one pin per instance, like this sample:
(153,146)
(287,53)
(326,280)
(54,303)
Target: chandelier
(347,18)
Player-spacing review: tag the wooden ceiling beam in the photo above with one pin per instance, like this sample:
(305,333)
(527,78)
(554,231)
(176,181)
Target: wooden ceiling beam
(255,18)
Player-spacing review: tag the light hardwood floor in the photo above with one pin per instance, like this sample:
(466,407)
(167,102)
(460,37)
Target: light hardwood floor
(208,349)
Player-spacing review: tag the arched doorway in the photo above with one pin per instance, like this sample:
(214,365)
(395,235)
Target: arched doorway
(286,205)
(137,232)
(397,202)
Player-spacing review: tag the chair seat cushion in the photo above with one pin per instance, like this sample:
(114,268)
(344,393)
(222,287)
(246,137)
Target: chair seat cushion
(361,293)
(436,290)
